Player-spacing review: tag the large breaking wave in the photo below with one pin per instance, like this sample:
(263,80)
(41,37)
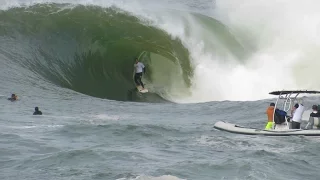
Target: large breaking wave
(190,57)
(91,49)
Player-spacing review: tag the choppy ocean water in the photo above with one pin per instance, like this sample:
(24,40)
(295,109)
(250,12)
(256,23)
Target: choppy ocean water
(75,63)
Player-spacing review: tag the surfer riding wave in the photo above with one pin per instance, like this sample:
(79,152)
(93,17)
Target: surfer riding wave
(139,68)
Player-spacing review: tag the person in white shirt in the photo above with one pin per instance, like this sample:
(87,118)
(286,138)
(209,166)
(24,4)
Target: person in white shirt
(139,68)
(297,112)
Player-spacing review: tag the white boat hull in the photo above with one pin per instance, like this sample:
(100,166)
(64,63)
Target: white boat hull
(233,128)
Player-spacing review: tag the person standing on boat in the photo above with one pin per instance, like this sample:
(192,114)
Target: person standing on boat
(297,112)
(269,112)
(314,118)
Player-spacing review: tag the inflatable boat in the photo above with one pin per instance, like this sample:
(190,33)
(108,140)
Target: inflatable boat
(285,101)
(233,128)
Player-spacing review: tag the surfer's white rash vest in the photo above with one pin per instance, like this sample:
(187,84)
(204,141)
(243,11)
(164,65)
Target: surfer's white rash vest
(139,67)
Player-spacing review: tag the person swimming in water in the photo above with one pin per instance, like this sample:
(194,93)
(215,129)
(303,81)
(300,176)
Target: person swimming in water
(13,97)
(37,112)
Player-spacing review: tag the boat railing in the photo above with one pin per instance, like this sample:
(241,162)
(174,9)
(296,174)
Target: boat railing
(287,105)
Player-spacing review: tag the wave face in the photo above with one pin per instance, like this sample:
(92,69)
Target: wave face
(91,50)
(215,54)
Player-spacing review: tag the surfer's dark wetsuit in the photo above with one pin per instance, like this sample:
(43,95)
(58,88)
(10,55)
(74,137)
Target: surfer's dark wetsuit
(137,79)
(37,112)
(13,97)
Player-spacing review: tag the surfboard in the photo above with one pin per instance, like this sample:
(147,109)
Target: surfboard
(145,90)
